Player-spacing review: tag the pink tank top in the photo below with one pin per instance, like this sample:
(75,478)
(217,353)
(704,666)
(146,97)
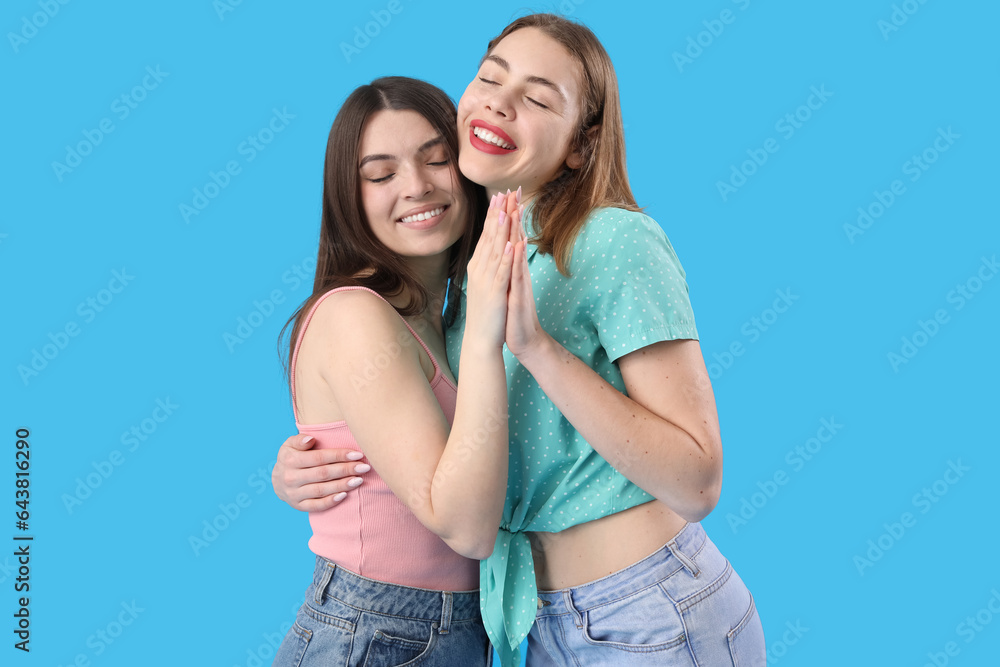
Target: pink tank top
(371,532)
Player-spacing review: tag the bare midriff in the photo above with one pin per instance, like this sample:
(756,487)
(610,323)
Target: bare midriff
(592,550)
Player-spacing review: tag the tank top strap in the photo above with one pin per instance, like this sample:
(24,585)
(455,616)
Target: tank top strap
(305,325)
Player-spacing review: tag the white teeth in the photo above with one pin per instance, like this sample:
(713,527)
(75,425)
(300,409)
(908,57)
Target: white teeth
(491,138)
(420,217)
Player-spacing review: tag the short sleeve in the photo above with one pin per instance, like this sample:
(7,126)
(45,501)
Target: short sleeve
(637,290)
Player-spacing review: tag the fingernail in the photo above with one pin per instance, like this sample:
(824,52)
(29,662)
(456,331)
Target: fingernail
(493,201)
(306,440)
(337,497)
(362,467)
(355,456)
(520,209)
(506,250)
(508,191)
(519,194)
(354,481)
(503,216)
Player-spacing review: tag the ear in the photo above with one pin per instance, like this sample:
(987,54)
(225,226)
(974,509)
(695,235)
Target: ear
(576,159)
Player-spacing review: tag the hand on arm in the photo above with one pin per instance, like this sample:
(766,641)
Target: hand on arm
(312,480)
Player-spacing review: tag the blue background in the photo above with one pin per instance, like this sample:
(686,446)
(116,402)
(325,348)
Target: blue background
(121,549)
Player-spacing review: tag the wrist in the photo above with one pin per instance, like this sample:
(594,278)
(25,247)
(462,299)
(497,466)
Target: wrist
(479,346)
(543,350)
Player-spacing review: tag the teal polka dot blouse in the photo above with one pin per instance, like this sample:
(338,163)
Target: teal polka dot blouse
(626,291)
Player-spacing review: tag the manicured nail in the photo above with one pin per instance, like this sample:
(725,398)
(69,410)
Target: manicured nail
(354,481)
(503,216)
(519,194)
(506,250)
(520,209)
(339,496)
(355,456)
(362,467)
(306,440)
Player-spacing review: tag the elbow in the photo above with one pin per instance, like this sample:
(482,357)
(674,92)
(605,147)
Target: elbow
(700,508)
(476,546)
(705,495)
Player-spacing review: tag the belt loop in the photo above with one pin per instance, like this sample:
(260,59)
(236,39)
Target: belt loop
(688,564)
(446,606)
(568,600)
(323,582)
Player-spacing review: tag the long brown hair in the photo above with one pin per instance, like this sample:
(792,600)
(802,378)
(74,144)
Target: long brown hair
(563,204)
(349,252)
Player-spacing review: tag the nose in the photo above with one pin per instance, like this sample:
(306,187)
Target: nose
(498,101)
(417,183)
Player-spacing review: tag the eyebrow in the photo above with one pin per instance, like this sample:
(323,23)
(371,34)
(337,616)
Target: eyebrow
(424,147)
(531,79)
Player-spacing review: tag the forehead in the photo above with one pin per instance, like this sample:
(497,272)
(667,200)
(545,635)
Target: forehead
(395,133)
(532,53)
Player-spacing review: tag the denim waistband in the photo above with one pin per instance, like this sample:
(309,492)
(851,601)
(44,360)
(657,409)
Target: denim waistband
(679,553)
(331,580)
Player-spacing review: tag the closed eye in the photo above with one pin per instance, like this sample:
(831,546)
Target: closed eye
(380,180)
(443,163)
(536,102)
(485,80)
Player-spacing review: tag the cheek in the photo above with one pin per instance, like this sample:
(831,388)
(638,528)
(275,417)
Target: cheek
(466,102)
(372,202)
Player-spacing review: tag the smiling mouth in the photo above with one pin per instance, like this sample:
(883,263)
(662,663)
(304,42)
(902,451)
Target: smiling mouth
(488,137)
(425,215)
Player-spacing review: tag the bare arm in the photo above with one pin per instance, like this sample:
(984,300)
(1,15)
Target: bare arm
(453,480)
(663,436)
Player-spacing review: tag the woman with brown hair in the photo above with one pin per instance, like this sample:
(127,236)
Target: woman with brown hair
(615,451)
(396,571)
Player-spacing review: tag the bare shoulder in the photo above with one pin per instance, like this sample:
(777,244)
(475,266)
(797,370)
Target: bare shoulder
(355,320)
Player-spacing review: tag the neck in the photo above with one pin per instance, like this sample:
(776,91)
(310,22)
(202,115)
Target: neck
(432,273)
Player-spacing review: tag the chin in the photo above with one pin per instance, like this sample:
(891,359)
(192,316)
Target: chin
(473,167)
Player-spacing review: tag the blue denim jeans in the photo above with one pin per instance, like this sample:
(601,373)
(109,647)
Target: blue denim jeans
(350,621)
(683,605)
